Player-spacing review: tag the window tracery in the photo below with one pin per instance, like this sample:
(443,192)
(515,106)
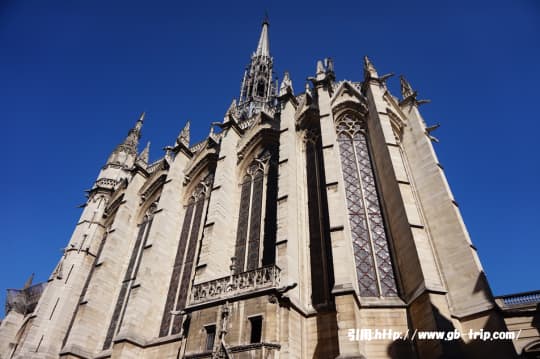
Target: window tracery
(185,257)
(319,235)
(370,243)
(131,273)
(257,205)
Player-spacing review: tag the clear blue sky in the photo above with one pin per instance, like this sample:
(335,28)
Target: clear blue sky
(74,76)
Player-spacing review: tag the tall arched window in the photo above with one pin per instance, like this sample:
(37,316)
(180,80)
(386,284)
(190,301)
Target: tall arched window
(255,220)
(322,278)
(370,243)
(185,257)
(131,274)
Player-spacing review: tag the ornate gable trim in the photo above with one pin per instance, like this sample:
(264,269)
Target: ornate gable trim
(261,135)
(152,185)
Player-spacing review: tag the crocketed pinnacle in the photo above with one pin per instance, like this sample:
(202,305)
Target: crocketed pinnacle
(184,136)
(144,156)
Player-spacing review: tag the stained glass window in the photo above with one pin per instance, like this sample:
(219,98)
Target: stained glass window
(130,275)
(370,243)
(185,258)
(319,236)
(250,218)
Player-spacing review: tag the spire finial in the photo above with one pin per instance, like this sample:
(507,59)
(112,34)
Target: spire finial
(183,137)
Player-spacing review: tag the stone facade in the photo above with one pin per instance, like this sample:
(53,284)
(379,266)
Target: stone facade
(298,219)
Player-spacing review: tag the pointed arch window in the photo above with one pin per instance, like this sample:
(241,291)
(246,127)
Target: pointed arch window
(185,257)
(322,278)
(370,243)
(131,274)
(257,214)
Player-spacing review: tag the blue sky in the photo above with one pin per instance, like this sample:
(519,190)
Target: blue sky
(75,75)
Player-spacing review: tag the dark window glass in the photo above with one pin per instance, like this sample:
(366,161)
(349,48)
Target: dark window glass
(210,337)
(256,329)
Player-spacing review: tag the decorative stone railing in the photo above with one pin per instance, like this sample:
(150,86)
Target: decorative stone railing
(527,298)
(156,166)
(198,146)
(236,284)
(106,183)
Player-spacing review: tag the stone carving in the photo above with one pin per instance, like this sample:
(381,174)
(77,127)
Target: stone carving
(286,85)
(234,285)
(106,183)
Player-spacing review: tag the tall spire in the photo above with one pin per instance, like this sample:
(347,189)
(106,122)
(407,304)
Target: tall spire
(258,90)
(263,48)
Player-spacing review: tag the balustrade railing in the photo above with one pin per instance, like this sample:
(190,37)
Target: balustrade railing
(527,298)
(236,284)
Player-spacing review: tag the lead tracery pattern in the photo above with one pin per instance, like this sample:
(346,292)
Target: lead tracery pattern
(185,257)
(370,243)
(250,217)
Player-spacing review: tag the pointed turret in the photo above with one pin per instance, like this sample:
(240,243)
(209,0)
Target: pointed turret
(183,137)
(122,158)
(130,144)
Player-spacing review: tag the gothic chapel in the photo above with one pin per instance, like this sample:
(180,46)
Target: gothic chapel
(298,220)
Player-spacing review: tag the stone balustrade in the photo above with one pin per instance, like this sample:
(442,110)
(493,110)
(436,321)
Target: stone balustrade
(519,299)
(236,284)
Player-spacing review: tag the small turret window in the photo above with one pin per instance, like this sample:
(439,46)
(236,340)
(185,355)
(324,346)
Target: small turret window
(261,87)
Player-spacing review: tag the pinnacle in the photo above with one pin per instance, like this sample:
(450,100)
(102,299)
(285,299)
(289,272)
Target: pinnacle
(144,156)
(406,88)
(184,136)
(369,69)
(286,85)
